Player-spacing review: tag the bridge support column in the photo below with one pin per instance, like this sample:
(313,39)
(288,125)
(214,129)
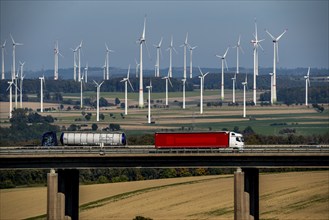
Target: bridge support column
(68,184)
(251,186)
(246,194)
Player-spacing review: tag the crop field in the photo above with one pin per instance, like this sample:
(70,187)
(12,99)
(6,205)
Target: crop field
(294,195)
(267,120)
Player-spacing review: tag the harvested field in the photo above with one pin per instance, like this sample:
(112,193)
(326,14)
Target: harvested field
(294,195)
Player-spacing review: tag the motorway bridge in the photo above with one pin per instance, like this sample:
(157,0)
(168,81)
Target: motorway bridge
(63,186)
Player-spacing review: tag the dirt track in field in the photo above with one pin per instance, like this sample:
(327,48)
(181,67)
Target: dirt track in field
(296,195)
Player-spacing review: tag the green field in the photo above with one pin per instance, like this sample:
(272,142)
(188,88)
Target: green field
(267,120)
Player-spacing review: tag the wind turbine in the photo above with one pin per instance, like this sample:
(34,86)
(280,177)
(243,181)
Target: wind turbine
(14,62)
(21,85)
(56,52)
(86,73)
(107,62)
(185,46)
(202,76)
(141,41)
(244,96)
(234,82)
(275,60)
(256,44)
(126,81)
(167,78)
(10,97)
(3,60)
(104,70)
(75,62)
(79,62)
(238,48)
(42,82)
(191,55)
(16,88)
(81,91)
(307,84)
(157,65)
(136,69)
(98,90)
(184,81)
(171,48)
(223,58)
(149,102)
(271,74)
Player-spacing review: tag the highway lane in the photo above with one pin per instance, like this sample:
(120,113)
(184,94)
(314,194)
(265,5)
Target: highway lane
(150,149)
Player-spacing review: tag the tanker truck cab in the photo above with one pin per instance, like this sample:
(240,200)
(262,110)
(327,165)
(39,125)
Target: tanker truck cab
(236,141)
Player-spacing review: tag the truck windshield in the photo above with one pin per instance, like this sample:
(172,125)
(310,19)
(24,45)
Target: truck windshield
(239,139)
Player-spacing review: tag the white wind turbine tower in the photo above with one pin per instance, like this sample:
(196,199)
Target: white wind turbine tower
(3,60)
(126,81)
(223,58)
(79,61)
(234,82)
(104,70)
(167,78)
(21,85)
(184,81)
(75,63)
(107,62)
(238,48)
(185,45)
(157,65)
(56,52)
(202,76)
(141,41)
(98,90)
(271,74)
(149,88)
(10,97)
(14,62)
(244,96)
(171,48)
(42,82)
(275,60)
(86,73)
(16,88)
(136,69)
(307,84)
(191,56)
(256,44)
(81,91)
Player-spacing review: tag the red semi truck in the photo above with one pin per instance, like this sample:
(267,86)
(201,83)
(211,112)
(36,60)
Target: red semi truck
(225,139)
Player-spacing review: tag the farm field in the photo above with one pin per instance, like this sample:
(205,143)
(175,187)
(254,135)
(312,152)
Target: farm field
(293,195)
(267,120)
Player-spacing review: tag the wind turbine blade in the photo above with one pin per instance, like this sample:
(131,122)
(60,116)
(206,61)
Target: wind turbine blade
(308,72)
(101,84)
(226,64)
(175,50)
(12,39)
(128,72)
(95,83)
(308,80)
(273,38)
(160,42)
(200,70)
(170,81)
(107,48)
(186,38)
(143,35)
(278,38)
(226,52)
(205,74)
(260,46)
(131,86)
(240,47)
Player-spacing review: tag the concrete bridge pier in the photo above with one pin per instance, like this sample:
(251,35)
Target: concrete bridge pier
(246,194)
(68,184)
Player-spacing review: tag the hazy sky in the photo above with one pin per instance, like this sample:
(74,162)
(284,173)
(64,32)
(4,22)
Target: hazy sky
(212,26)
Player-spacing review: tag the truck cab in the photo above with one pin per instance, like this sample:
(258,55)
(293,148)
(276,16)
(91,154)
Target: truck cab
(236,141)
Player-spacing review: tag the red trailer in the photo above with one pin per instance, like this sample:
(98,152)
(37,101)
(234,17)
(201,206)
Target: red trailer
(219,139)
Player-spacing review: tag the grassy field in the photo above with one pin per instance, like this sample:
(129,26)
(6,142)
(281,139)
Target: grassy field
(305,120)
(302,195)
